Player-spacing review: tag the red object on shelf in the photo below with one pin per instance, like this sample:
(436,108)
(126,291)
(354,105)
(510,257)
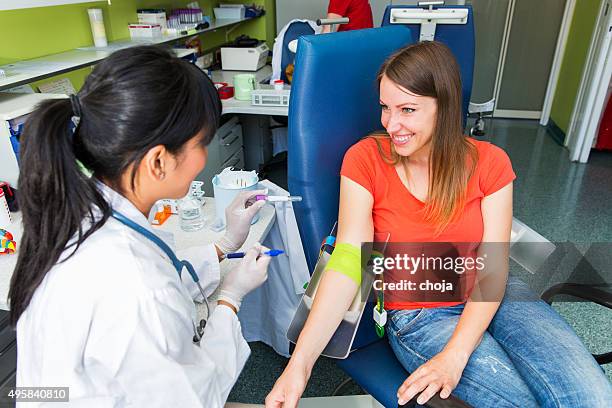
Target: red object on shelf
(226,92)
(604,139)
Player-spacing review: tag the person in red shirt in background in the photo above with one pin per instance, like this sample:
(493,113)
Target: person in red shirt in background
(359,13)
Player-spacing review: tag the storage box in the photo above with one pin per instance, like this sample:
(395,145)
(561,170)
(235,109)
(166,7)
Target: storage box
(153,16)
(266,95)
(140,31)
(226,12)
(244,59)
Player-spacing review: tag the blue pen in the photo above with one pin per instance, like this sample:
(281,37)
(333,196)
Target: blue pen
(235,255)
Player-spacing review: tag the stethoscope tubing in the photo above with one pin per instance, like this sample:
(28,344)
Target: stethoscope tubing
(178,265)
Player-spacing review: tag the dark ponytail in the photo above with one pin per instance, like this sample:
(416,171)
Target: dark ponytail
(134,100)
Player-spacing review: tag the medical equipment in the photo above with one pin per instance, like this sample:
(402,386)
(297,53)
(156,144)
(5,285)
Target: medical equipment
(236,58)
(226,185)
(224,90)
(428,18)
(144,30)
(343,340)
(191,214)
(198,330)
(237,255)
(279,84)
(152,16)
(230,11)
(268,95)
(274,199)
(164,211)
(166,207)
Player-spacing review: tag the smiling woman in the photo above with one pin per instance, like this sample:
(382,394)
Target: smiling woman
(423,181)
(420,96)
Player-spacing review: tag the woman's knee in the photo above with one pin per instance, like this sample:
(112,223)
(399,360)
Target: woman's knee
(580,385)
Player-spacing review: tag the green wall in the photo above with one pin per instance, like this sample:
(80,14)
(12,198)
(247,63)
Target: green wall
(574,59)
(35,32)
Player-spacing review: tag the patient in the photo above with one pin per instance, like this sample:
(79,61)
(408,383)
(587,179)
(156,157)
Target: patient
(424,181)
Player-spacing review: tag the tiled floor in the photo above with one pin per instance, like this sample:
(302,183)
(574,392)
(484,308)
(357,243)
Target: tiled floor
(561,200)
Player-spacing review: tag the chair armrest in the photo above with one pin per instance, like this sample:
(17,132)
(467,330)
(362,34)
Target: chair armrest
(437,402)
(450,402)
(588,292)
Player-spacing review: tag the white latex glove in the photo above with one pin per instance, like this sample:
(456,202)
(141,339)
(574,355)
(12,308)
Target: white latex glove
(238,219)
(248,275)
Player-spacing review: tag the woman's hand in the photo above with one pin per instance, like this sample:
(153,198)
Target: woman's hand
(441,373)
(238,217)
(289,387)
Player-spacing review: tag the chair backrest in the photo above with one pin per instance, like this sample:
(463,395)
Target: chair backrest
(334,103)
(294,31)
(458,37)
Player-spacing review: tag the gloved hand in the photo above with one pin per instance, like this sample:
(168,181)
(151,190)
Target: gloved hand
(248,275)
(238,219)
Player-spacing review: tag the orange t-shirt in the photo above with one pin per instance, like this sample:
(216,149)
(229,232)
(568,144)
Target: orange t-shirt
(397,212)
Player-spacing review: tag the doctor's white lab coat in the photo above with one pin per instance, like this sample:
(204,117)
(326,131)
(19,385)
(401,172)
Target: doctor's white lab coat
(114,324)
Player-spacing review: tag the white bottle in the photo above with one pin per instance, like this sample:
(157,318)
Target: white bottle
(96,20)
(191,214)
(5,213)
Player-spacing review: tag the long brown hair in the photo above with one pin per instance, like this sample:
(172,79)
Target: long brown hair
(430,69)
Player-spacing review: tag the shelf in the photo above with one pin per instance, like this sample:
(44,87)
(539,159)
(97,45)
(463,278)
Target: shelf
(27,71)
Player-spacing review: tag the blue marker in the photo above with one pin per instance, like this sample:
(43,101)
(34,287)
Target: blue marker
(235,255)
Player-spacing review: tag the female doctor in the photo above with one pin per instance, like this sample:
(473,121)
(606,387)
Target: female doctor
(100,303)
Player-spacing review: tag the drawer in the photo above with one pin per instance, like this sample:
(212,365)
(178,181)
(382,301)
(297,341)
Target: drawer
(230,143)
(236,161)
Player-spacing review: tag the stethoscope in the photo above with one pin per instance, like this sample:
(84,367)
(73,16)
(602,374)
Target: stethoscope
(198,330)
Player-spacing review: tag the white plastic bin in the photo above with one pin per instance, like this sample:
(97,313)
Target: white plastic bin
(224,13)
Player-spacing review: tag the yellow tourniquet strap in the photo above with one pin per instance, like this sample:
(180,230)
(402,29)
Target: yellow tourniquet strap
(346,259)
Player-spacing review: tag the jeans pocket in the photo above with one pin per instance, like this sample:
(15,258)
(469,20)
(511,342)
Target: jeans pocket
(403,320)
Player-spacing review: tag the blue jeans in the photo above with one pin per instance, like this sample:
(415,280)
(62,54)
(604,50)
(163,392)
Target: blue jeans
(528,357)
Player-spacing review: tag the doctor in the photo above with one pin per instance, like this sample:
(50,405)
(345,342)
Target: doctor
(100,303)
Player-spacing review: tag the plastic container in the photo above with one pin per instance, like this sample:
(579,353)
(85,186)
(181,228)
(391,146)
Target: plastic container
(226,186)
(191,214)
(139,31)
(153,16)
(96,20)
(224,13)
(279,85)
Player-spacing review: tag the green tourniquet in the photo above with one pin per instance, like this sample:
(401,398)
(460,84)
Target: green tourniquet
(346,259)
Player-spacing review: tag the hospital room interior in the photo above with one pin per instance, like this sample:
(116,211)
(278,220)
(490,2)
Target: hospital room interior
(297,84)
